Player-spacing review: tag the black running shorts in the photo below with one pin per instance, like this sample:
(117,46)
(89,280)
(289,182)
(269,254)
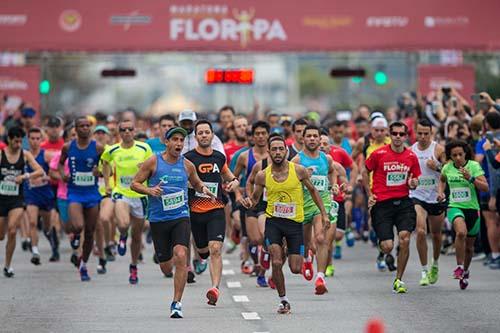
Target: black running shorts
(168,234)
(386,215)
(277,228)
(209,226)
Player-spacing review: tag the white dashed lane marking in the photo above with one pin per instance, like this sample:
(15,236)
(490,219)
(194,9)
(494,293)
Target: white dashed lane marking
(250,315)
(233,284)
(240,298)
(227,272)
(226,262)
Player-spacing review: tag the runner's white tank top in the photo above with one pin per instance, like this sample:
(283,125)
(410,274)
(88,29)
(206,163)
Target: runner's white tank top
(429,180)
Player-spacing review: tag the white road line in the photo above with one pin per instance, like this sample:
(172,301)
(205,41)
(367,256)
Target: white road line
(233,284)
(250,315)
(227,272)
(226,262)
(240,298)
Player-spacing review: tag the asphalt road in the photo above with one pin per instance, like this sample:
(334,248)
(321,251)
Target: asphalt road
(51,298)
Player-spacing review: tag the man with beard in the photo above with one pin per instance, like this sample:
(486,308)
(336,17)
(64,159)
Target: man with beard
(207,216)
(283,181)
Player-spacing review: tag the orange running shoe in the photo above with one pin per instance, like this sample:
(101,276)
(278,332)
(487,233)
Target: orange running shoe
(213,296)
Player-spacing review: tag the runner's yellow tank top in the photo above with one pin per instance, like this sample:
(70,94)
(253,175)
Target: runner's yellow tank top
(285,199)
(371,148)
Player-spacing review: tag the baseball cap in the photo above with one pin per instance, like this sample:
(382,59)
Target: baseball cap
(28,112)
(54,122)
(187,114)
(101,128)
(175,130)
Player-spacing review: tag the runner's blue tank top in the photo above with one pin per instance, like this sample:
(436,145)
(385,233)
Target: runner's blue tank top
(81,164)
(173,204)
(319,167)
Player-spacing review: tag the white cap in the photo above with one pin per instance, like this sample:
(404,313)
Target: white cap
(379,122)
(187,114)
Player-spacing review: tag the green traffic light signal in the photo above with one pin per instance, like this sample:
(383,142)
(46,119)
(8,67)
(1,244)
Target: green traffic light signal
(44,87)
(380,78)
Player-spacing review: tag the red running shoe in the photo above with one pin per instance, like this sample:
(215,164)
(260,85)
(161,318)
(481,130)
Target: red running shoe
(265,259)
(213,296)
(307,270)
(320,286)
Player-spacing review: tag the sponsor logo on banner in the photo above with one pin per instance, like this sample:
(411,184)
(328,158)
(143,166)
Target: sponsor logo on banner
(8,83)
(128,20)
(327,22)
(387,21)
(13,19)
(442,21)
(222,23)
(439,82)
(70,20)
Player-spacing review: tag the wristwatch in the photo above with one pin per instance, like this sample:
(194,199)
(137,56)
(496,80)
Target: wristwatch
(472,179)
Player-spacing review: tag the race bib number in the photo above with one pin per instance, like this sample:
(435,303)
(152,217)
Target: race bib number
(460,194)
(396,178)
(319,182)
(84,179)
(213,187)
(427,182)
(126,181)
(284,210)
(264,195)
(334,210)
(9,188)
(173,200)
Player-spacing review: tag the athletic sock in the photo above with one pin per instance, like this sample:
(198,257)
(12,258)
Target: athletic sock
(495,255)
(461,266)
(320,275)
(82,264)
(35,250)
(424,268)
(283,298)
(435,262)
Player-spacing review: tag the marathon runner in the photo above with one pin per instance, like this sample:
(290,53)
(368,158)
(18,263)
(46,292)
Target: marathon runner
(40,200)
(395,170)
(323,176)
(283,181)
(13,160)
(207,216)
(130,207)
(83,195)
(167,175)
(253,222)
(463,176)
(431,157)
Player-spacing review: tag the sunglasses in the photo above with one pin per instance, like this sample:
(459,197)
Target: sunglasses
(400,134)
(126,129)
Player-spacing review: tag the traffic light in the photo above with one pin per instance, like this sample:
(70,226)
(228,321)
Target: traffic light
(44,87)
(380,77)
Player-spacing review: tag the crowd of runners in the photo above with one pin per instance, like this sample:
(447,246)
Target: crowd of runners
(280,189)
